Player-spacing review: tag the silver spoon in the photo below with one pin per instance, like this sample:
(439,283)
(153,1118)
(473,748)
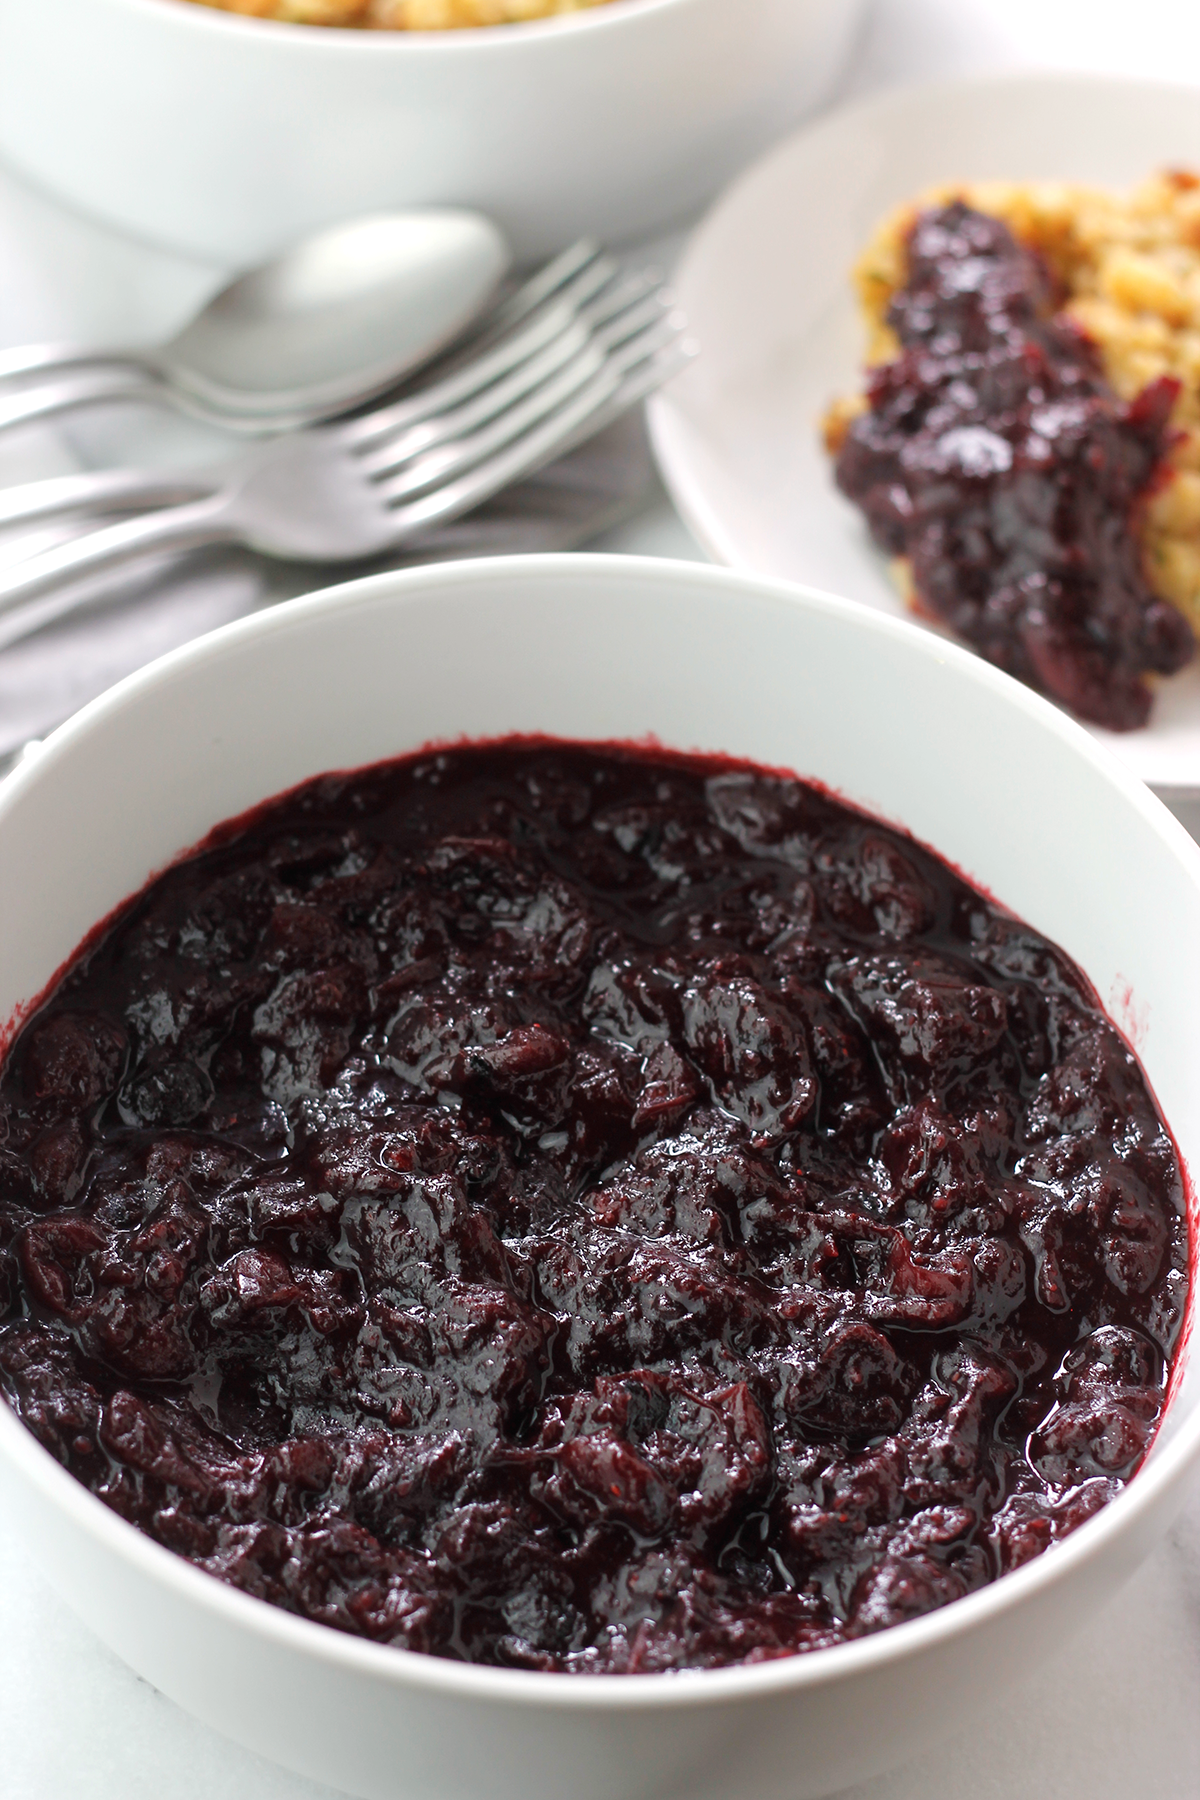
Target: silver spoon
(332,322)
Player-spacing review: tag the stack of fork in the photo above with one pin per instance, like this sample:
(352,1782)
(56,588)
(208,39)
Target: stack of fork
(552,365)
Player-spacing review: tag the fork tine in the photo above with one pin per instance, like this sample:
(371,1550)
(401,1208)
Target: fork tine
(396,450)
(621,311)
(485,359)
(433,467)
(529,452)
(638,317)
(436,467)
(630,286)
(556,274)
(590,278)
(580,292)
(643,381)
(635,346)
(603,396)
(616,299)
(475,373)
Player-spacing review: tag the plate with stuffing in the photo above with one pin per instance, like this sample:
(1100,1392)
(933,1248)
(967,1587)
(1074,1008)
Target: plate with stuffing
(951,370)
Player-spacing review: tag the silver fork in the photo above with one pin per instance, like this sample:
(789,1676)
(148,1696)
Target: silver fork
(530,335)
(40,381)
(500,368)
(358,489)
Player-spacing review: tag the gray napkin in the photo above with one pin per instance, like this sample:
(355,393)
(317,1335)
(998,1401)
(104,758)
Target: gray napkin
(132,619)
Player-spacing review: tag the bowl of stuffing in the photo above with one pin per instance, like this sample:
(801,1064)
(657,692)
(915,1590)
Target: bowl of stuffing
(621,1231)
(226,130)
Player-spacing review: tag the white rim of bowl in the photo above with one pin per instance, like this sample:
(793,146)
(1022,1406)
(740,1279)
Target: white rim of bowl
(696,1687)
(591,18)
(689,497)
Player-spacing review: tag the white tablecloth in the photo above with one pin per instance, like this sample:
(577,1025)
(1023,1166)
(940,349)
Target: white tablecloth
(1118,1715)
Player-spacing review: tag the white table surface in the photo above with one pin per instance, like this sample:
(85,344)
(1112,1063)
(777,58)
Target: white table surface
(1117,1717)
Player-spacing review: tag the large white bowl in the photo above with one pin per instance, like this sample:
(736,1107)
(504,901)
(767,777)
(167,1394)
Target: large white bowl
(1015,794)
(227,136)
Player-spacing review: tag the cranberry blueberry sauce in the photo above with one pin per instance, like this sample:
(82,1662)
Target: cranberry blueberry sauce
(586,1210)
(996,460)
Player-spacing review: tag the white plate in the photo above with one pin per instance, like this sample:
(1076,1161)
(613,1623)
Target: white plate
(765,284)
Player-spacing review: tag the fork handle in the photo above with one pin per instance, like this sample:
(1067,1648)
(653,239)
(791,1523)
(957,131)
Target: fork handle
(96,491)
(42,588)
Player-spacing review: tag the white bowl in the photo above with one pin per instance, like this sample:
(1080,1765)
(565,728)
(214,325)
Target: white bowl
(227,136)
(920,732)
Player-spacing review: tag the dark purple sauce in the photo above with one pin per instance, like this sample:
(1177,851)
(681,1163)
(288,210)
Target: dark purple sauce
(586,1210)
(995,457)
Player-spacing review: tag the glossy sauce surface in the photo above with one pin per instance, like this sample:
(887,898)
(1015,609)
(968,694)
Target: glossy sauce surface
(585,1209)
(995,458)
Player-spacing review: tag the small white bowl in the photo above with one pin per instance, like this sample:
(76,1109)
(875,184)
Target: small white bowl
(226,136)
(920,732)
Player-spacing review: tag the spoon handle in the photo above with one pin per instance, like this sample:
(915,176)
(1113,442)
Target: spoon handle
(41,359)
(85,386)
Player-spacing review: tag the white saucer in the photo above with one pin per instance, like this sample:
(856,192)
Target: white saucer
(765,284)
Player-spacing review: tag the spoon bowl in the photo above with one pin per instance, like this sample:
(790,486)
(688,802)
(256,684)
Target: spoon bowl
(323,327)
(340,317)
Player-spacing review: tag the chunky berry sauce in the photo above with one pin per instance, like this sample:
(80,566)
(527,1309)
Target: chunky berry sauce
(585,1209)
(996,459)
